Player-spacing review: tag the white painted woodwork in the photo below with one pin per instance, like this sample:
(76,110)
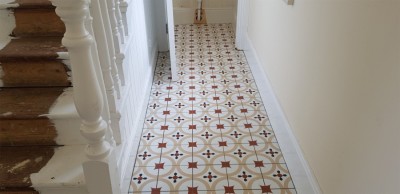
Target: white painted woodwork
(99,53)
(242,24)
(160,25)
(104,57)
(64,116)
(120,24)
(124,7)
(7,25)
(171,38)
(126,114)
(110,48)
(59,176)
(117,39)
(88,97)
(141,52)
(198,16)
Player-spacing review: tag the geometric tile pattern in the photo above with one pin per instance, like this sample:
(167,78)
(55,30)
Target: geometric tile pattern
(208,132)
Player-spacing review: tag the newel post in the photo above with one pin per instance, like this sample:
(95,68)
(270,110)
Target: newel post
(100,168)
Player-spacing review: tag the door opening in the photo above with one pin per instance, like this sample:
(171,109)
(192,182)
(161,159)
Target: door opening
(216,11)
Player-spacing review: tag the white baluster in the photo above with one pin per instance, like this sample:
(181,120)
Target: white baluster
(198,10)
(111,49)
(115,115)
(112,90)
(101,167)
(124,8)
(104,55)
(116,38)
(119,21)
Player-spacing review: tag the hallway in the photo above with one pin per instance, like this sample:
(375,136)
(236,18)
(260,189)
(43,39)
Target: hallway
(208,132)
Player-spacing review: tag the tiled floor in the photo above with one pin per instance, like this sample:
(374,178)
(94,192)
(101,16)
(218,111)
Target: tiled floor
(208,132)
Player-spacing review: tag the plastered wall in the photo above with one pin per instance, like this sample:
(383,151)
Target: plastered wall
(335,68)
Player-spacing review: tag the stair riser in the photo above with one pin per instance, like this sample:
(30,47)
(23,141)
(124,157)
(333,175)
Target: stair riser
(19,191)
(39,116)
(41,132)
(20,163)
(27,103)
(34,74)
(37,22)
(32,49)
(27,132)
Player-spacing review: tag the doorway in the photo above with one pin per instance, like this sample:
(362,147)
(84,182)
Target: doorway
(217,11)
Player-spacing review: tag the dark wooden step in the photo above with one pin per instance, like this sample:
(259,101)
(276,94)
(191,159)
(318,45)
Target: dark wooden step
(27,132)
(37,22)
(18,191)
(18,163)
(34,4)
(34,73)
(32,48)
(27,103)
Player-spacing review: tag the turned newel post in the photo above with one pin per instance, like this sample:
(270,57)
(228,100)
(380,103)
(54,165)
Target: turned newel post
(100,167)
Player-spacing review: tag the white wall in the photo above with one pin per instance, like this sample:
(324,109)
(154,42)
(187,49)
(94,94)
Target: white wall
(140,55)
(217,11)
(335,68)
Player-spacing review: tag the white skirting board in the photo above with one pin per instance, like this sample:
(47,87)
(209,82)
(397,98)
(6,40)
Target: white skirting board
(302,176)
(213,15)
(132,143)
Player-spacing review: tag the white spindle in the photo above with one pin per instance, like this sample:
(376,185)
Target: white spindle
(101,167)
(104,56)
(198,10)
(112,89)
(116,36)
(111,50)
(103,80)
(119,21)
(124,8)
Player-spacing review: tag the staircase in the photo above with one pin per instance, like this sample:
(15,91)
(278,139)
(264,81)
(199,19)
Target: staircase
(40,146)
(59,139)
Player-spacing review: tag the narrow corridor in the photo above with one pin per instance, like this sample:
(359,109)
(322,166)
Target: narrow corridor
(208,132)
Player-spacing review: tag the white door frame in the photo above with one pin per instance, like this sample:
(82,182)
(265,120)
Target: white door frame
(242,22)
(171,37)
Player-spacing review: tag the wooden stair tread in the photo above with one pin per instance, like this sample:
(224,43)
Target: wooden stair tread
(27,132)
(34,73)
(47,23)
(18,163)
(31,48)
(32,4)
(27,103)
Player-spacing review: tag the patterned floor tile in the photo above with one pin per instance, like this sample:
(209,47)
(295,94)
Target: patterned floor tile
(208,132)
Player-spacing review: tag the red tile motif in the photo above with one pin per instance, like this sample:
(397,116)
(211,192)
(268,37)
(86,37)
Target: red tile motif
(208,132)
